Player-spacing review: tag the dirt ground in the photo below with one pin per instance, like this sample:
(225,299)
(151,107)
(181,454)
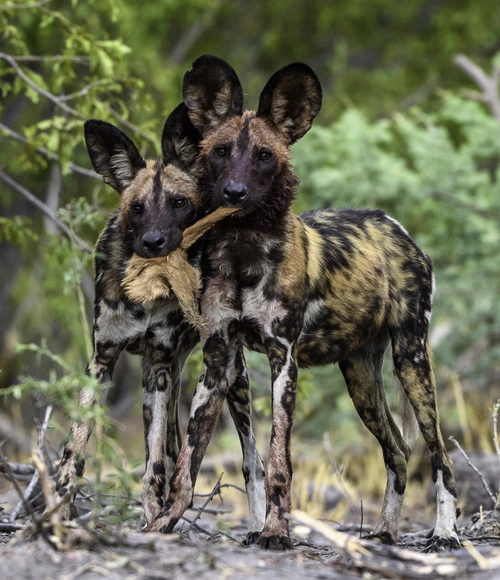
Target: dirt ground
(323,550)
(210,547)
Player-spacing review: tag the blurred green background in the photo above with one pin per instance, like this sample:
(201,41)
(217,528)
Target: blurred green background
(407,125)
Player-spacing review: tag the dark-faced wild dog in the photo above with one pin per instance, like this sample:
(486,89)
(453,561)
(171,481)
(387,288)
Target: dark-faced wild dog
(328,286)
(159,199)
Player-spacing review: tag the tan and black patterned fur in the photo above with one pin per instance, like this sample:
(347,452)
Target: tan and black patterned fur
(159,199)
(328,286)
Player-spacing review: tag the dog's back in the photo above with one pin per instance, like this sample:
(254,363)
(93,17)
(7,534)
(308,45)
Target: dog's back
(365,275)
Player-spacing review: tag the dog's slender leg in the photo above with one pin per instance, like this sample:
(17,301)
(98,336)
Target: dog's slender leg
(363,377)
(413,367)
(275,535)
(168,345)
(160,390)
(238,400)
(212,388)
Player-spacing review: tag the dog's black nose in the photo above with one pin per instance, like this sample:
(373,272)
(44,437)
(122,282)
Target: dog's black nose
(153,242)
(235,192)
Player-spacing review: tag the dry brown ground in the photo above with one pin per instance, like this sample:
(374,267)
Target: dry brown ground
(323,550)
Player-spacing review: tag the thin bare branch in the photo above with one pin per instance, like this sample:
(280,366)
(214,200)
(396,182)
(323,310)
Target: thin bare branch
(24,6)
(186,41)
(488,85)
(81,93)
(215,491)
(474,468)
(48,95)
(21,471)
(45,210)
(36,523)
(469,207)
(494,414)
(44,152)
(49,492)
(335,468)
(29,490)
(26,496)
(53,58)
(127,123)
(495,410)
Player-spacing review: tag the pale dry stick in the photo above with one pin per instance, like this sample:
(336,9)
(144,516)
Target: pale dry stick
(386,561)
(45,210)
(35,522)
(482,562)
(53,58)
(473,467)
(495,410)
(49,493)
(335,468)
(126,123)
(41,91)
(488,85)
(215,491)
(44,152)
(494,414)
(42,431)
(29,490)
(24,6)
(59,101)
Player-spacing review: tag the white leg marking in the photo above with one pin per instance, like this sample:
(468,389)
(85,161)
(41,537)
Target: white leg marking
(156,445)
(446,515)
(391,508)
(256,492)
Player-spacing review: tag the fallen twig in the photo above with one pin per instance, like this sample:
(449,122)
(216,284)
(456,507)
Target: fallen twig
(337,470)
(391,562)
(20,471)
(36,523)
(215,491)
(9,527)
(474,468)
(495,410)
(29,490)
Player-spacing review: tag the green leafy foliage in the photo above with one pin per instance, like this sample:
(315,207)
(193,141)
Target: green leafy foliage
(394,132)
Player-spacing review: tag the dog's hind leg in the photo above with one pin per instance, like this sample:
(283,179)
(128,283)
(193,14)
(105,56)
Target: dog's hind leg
(363,375)
(413,367)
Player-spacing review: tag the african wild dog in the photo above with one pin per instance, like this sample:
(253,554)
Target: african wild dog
(159,199)
(328,286)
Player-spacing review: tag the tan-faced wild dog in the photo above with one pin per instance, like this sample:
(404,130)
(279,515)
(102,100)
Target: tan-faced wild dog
(328,286)
(159,199)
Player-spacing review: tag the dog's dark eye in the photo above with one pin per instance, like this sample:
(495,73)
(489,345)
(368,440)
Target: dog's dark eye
(180,202)
(221,151)
(136,208)
(265,155)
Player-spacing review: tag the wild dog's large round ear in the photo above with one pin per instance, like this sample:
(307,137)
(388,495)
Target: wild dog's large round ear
(112,153)
(180,139)
(212,92)
(291,99)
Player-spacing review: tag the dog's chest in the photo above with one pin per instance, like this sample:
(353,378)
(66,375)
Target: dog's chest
(246,260)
